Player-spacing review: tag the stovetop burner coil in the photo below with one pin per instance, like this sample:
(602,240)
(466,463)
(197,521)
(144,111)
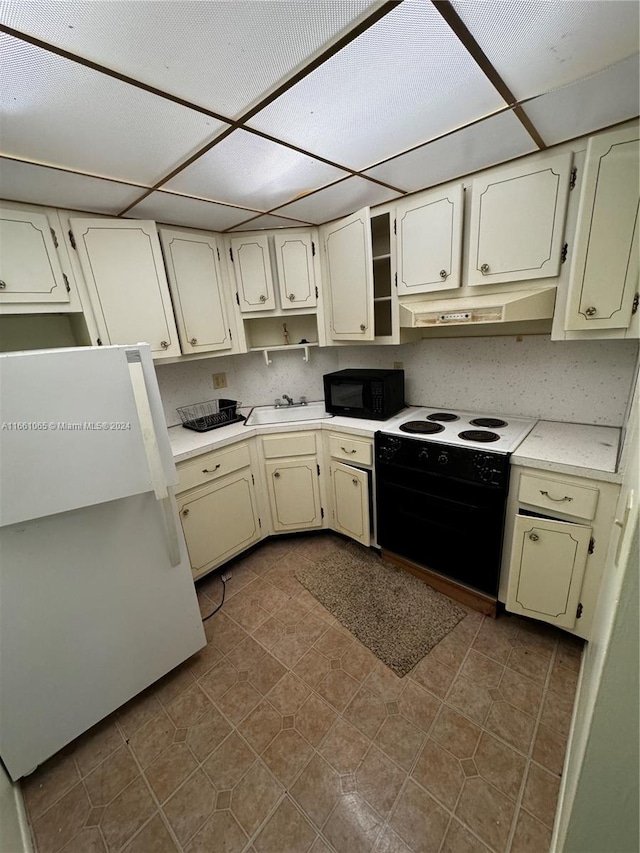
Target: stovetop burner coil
(479,435)
(490,423)
(421,427)
(443,416)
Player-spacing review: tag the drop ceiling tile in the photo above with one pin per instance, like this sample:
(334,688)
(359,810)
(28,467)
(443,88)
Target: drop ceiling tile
(191,212)
(248,169)
(597,102)
(338,200)
(269,221)
(484,144)
(538,46)
(404,81)
(41,185)
(222,55)
(56,111)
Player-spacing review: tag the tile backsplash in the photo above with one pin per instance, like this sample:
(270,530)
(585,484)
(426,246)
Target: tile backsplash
(579,381)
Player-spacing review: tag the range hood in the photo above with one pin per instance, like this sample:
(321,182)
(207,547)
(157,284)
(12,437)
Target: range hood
(513,307)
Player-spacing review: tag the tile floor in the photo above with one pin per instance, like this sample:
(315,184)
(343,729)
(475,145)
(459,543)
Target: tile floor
(286,735)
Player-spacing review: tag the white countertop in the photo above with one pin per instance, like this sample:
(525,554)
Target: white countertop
(580,449)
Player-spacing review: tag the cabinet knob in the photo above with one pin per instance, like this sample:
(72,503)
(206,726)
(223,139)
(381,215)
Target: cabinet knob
(185,511)
(355,482)
(443,273)
(534,537)
(484,269)
(590,311)
(164,344)
(276,474)
(3,285)
(362,327)
(292,297)
(263,298)
(194,342)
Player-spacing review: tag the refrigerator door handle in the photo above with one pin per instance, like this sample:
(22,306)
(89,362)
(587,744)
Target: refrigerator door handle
(152,452)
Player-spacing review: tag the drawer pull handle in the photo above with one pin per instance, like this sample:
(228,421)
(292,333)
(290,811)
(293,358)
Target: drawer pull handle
(344,450)
(557,500)
(211,470)
(534,537)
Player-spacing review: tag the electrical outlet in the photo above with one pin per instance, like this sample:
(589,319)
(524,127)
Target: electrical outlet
(398,365)
(219,380)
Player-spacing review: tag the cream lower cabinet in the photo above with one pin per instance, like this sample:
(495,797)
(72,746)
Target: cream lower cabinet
(556,539)
(350,476)
(218,507)
(292,476)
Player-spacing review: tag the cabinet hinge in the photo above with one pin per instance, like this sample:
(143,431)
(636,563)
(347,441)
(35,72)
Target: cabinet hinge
(634,306)
(313,249)
(237,298)
(563,253)
(394,227)
(99,342)
(321,512)
(231,254)
(253,479)
(579,611)
(54,238)
(316,291)
(396,279)
(592,545)
(573,178)
(218,251)
(259,522)
(230,335)
(72,239)
(318,467)
(66,281)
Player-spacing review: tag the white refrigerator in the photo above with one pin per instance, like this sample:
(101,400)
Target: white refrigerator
(96,596)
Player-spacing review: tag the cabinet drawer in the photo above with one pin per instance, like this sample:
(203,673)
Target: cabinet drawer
(290,444)
(350,449)
(211,466)
(559,495)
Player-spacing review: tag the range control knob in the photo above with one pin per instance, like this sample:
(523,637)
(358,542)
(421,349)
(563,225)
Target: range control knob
(423,456)
(388,450)
(443,458)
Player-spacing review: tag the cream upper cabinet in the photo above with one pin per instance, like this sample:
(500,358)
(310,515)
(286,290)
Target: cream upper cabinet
(122,265)
(604,271)
(197,288)
(350,499)
(429,241)
(30,270)
(252,269)
(517,222)
(349,277)
(294,252)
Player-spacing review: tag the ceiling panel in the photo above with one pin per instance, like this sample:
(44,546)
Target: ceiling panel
(491,141)
(403,82)
(268,221)
(597,102)
(191,212)
(338,200)
(41,185)
(247,169)
(59,112)
(537,46)
(222,55)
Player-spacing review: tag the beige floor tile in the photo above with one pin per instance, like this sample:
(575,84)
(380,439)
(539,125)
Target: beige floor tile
(269,633)
(540,796)
(473,700)
(247,615)
(49,783)
(88,840)
(549,749)
(218,680)
(500,765)
(312,667)
(358,662)
(152,739)
(439,773)
(286,831)
(537,636)
(290,649)
(337,688)
(511,724)
(286,755)
(254,797)
(482,670)
(266,674)
(224,633)
(434,676)
(190,806)
(366,712)
(172,685)
(528,663)
(400,740)
(125,815)
(291,612)
(229,762)
(345,747)
(384,683)
(207,733)
(269,597)
(530,836)
(317,790)
(486,811)
(563,681)
(311,628)
(170,770)
(450,651)
(96,745)
(246,654)
(459,840)
(111,777)
(557,712)
(288,694)
(188,707)
(314,718)
(569,652)
(418,705)
(239,701)
(455,733)
(334,643)
(261,726)
(390,842)
(138,711)
(379,780)
(419,820)
(317,547)
(353,826)
(521,691)
(319,846)
(64,820)
(220,833)
(204,660)
(493,641)
(154,838)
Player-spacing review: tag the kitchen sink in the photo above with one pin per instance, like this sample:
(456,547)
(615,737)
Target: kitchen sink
(286,414)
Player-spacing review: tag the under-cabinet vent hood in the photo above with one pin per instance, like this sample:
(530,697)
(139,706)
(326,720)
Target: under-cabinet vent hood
(514,307)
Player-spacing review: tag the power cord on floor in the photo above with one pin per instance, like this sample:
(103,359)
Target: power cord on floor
(223,578)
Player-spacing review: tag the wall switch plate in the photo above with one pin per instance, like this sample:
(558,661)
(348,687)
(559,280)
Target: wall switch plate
(398,365)
(219,380)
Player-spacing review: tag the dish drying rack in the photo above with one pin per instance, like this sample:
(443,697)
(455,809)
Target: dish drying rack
(210,414)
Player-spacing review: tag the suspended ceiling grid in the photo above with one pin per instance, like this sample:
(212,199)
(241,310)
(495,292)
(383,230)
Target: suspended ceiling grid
(263,114)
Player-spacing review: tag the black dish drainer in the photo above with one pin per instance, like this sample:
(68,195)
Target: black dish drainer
(209,414)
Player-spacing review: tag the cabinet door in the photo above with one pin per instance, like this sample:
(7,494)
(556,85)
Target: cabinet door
(196,284)
(547,567)
(517,222)
(349,268)
(604,271)
(294,494)
(350,492)
(294,259)
(429,239)
(29,267)
(219,520)
(252,268)
(122,265)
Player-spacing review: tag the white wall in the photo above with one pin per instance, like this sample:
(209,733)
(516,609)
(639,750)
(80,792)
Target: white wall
(579,381)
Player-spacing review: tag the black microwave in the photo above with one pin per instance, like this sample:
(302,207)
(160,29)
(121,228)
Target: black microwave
(374,394)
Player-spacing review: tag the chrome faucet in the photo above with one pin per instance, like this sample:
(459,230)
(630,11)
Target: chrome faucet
(288,399)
